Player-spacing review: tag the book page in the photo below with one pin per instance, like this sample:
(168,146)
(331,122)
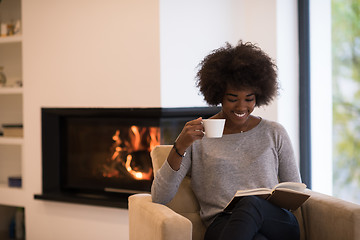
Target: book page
(292,185)
(256,191)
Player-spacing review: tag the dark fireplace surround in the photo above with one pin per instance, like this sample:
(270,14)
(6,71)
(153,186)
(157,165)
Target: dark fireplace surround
(100,156)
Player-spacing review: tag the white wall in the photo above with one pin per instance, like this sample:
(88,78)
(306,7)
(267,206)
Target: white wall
(122,53)
(189,30)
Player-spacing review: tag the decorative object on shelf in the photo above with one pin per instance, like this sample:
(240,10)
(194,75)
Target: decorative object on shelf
(3,29)
(17,27)
(13,130)
(2,77)
(19,223)
(14,181)
(10,29)
(18,83)
(16,226)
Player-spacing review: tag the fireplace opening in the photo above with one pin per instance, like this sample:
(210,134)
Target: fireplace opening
(109,154)
(101,156)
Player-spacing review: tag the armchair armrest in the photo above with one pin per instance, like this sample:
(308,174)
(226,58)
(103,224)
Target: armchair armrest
(327,217)
(148,220)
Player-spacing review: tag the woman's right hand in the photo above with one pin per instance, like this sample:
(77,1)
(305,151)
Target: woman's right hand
(193,130)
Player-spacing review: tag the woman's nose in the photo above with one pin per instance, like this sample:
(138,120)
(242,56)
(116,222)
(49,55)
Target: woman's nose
(241,105)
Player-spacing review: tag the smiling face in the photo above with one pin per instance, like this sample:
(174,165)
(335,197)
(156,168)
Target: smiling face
(237,105)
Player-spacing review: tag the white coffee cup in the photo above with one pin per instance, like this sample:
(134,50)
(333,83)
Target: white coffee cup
(214,127)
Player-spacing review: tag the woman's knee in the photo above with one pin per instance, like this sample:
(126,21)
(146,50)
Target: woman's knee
(249,208)
(249,202)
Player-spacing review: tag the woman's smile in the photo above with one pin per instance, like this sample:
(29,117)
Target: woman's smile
(240,115)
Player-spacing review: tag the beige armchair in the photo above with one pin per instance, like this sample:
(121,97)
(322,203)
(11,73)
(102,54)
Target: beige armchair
(320,217)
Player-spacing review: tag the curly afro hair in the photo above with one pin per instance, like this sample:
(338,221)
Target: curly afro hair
(244,66)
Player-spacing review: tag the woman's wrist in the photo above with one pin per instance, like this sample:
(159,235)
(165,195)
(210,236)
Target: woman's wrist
(179,152)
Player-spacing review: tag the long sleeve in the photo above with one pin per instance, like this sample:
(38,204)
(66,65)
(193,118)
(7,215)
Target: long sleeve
(288,169)
(167,181)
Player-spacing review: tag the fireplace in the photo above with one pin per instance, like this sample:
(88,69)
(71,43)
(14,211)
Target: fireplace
(101,156)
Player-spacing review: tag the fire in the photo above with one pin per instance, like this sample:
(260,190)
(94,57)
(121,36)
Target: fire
(131,152)
(136,174)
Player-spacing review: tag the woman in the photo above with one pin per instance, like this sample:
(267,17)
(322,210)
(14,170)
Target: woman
(252,153)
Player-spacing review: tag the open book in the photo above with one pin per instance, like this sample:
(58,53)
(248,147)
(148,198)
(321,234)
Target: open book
(288,195)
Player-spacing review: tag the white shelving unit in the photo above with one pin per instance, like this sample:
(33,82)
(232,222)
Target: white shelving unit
(11,141)
(11,112)
(10,90)
(11,39)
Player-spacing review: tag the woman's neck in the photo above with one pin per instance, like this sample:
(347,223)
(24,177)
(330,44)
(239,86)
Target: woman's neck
(250,123)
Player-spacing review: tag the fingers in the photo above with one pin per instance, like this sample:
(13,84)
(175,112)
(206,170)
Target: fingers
(193,130)
(194,122)
(195,125)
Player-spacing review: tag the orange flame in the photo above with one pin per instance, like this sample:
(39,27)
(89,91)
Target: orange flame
(139,139)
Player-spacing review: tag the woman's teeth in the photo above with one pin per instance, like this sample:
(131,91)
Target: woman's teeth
(240,114)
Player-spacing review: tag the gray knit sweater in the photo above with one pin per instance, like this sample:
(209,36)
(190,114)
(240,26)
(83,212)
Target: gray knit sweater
(261,157)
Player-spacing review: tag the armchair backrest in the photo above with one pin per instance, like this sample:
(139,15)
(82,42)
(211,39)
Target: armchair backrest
(184,202)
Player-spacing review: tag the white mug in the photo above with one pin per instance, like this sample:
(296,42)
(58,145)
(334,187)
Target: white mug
(214,128)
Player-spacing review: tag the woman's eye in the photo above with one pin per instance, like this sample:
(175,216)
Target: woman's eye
(232,100)
(250,100)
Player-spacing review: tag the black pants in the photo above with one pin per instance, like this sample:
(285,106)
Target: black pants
(254,218)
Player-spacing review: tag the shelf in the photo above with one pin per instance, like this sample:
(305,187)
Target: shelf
(11,39)
(11,140)
(11,196)
(11,90)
